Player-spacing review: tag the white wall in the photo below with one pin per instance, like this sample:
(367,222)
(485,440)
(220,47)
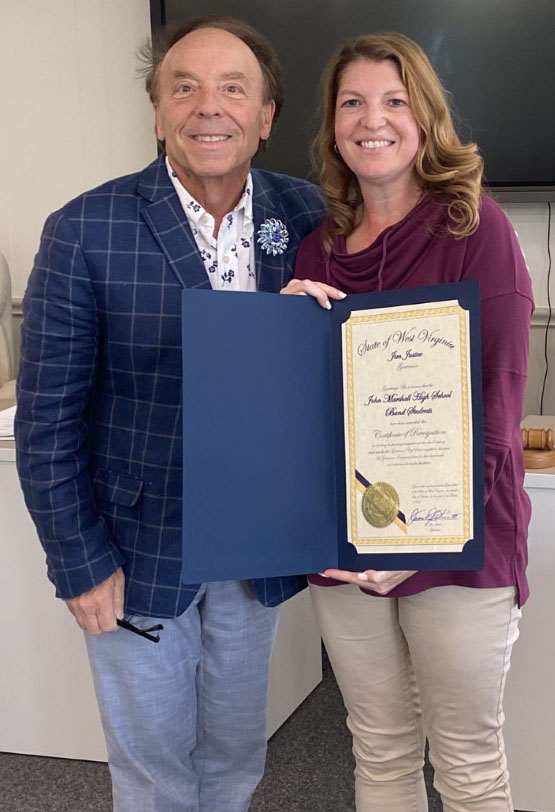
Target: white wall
(74,112)
(531,221)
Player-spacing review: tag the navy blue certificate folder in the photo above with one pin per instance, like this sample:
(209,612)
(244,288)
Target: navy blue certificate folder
(263,436)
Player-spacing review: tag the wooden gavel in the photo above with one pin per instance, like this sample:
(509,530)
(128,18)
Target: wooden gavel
(540,439)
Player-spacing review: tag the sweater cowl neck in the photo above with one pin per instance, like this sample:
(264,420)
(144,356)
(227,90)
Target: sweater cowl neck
(389,261)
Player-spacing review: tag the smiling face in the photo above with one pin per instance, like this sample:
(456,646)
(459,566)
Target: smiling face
(375,130)
(211,112)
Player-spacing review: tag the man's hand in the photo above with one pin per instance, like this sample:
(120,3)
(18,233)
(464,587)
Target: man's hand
(96,611)
(380,581)
(321,292)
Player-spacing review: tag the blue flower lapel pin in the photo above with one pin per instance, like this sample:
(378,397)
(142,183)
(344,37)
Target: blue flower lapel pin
(273,236)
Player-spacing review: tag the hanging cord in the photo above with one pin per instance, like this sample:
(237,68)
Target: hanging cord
(546,338)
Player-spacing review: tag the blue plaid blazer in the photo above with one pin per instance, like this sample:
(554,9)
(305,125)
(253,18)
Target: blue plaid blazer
(98,426)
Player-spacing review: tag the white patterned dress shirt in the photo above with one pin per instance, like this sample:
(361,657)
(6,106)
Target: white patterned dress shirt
(229,259)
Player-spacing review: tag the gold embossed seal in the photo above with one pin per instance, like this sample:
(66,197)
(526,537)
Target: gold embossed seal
(380,504)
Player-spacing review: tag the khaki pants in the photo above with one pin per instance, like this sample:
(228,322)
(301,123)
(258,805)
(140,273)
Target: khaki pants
(430,665)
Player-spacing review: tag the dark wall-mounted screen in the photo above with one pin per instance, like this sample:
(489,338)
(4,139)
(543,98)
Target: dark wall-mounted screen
(496,57)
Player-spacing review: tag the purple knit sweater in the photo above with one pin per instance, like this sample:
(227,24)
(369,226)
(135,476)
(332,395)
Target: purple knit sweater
(417,251)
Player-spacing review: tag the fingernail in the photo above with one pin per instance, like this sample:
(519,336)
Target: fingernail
(362,576)
(321,574)
(327,306)
(342,294)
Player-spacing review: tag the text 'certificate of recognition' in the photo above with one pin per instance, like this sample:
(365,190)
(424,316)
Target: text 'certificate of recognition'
(408,429)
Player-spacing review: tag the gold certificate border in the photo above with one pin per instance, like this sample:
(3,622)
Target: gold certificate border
(463,333)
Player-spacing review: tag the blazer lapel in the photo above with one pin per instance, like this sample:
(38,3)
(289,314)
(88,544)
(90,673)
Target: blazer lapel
(169,226)
(272,272)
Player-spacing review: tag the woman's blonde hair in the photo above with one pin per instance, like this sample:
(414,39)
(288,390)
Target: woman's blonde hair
(442,165)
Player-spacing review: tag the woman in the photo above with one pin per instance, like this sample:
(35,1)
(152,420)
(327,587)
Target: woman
(423,654)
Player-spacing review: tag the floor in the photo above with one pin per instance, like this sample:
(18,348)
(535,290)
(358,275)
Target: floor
(309,769)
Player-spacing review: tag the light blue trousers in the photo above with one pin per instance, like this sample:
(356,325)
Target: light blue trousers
(184,718)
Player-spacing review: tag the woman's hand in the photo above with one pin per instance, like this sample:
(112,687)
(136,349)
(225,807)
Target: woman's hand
(321,292)
(380,581)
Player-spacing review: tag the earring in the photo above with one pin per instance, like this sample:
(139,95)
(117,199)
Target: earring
(335,147)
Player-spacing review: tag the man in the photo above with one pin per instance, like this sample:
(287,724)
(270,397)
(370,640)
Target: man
(99,421)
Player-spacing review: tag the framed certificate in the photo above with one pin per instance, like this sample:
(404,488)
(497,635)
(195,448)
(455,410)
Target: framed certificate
(408,428)
(348,438)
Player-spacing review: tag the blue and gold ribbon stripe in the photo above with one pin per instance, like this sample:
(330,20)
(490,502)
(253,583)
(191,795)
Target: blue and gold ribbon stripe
(362,486)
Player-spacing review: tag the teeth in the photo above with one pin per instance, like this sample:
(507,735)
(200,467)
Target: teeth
(374,144)
(210,138)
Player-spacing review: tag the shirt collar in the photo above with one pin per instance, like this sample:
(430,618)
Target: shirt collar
(195,211)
